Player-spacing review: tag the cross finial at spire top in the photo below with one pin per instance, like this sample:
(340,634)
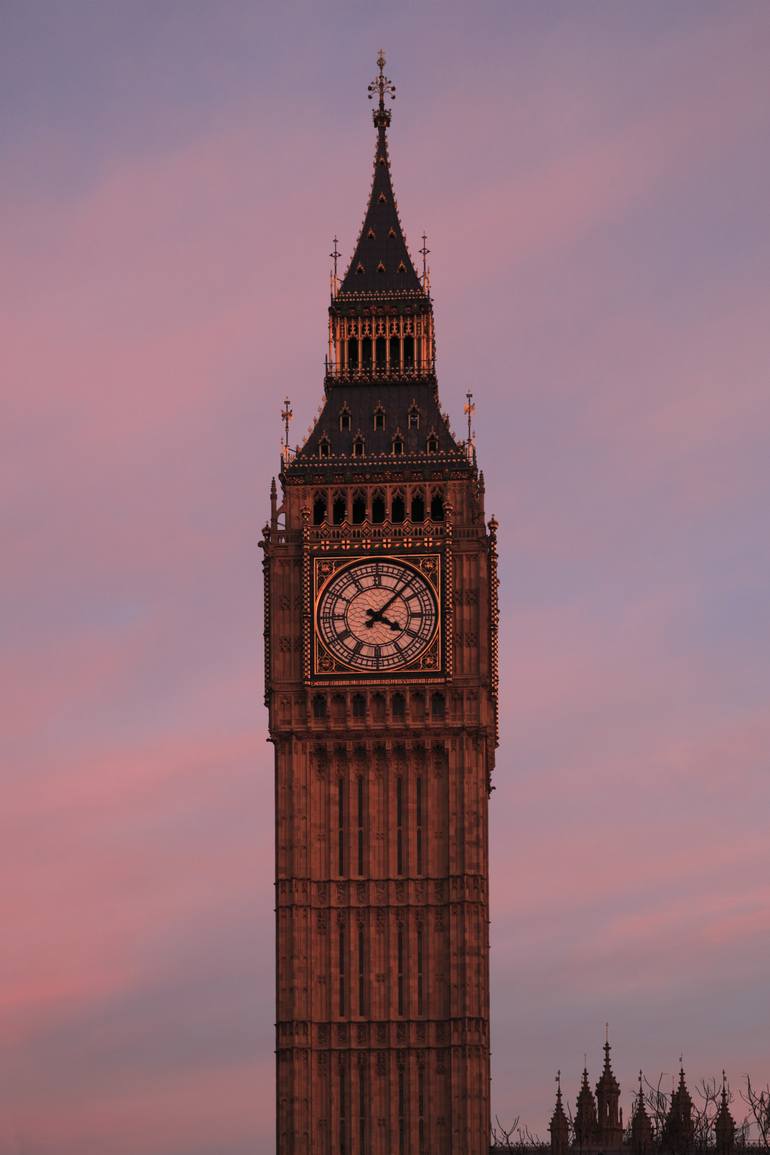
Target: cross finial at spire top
(382,86)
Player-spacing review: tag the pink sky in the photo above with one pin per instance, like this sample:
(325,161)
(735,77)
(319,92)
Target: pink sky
(594,182)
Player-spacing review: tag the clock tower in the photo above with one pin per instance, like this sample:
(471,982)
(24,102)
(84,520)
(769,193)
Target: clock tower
(381,685)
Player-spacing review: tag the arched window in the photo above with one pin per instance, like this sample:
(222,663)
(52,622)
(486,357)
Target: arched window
(418,506)
(359,706)
(398,446)
(339,508)
(319,706)
(438,707)
(418,706)
(378,507)
(432,443)
(397,510)
(414,416)
(359,506)
(324,447)
(352,352)
(437,506)
(345,420)
(398,705)
(408,352)
(366,353)
(378,707)
(379,418)
(319,508)
(380,352)
(358,447)
(395,353)
(338,708)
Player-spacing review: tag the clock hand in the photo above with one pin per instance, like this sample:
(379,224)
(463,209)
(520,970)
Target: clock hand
(376,615)
(381,618)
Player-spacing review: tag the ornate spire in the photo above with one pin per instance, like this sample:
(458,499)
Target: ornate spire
(724,1124)
(585,1113)
(559,1125)
(641,1127)
(381,264)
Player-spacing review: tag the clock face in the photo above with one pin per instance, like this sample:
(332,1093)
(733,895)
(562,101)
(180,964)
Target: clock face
(377,616)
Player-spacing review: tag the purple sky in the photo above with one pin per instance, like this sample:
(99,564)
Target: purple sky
(595,182)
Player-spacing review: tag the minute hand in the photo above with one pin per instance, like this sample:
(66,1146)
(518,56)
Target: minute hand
(376,615)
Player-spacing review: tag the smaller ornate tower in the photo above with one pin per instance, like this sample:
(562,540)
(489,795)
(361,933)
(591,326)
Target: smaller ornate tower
(585,1115)
(609,1134)
(641,1127)
(559,1125)
(678,1129)
(724,1124)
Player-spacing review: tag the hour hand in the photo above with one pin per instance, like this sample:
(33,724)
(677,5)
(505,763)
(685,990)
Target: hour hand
(378,616)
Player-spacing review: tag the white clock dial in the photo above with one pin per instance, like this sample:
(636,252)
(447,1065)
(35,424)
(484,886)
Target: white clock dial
(377,616)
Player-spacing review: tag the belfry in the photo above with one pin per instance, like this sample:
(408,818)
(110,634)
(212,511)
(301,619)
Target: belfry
(381,684)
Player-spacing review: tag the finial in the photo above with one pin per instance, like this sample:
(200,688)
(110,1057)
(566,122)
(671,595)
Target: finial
(287,414)
(424,253)
(383,87)
(606,1034)
(335,256)
(469,409)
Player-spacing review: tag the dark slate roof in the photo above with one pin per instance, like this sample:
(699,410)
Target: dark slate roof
(396,399)
(381,261)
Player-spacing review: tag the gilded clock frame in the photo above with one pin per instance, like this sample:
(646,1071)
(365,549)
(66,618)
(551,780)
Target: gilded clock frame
(322,668)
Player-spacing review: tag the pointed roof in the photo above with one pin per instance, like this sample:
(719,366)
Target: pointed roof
(559,1125)
(381,263)
(641,1126)
(607,1081)
(585,1111)
(724,1124)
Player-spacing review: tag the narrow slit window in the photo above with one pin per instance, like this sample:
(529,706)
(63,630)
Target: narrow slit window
(414,417)
(362,1109)
(438,707)
(324,447)
(352,352)
(419,831)
(379,419)
(342,968)
(432,443)
(399,825)
(418,507)
(401,1112)
(340,826)
(397,508)
(343,1108)
(437,506)
(360,823)
(398,446)
(420,1108)
(398,706)
(358,447)
(400,969)
(420,968)
(345,421)
(361,972)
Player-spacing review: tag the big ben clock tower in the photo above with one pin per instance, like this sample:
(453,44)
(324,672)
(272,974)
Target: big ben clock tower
(381,683)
